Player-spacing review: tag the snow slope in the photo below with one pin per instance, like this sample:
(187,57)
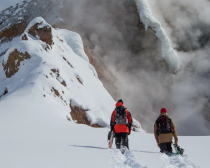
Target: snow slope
(36,137)
(148,20)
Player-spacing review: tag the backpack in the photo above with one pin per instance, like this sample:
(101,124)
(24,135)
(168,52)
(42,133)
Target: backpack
(163,125)
(121,115)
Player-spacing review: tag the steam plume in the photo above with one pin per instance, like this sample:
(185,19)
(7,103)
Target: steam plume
(111,28)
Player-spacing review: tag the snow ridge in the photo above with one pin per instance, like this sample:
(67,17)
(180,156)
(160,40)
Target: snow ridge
(148,20)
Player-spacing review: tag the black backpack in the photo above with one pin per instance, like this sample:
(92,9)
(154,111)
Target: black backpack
(121,115)
(163,125)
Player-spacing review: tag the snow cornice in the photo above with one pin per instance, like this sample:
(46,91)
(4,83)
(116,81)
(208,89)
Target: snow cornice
(148,20)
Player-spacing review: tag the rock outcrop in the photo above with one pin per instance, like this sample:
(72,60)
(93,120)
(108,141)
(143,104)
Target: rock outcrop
(11,66)
(44,33)
(80,117)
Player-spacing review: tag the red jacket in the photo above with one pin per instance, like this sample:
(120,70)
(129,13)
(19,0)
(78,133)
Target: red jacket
(117,127)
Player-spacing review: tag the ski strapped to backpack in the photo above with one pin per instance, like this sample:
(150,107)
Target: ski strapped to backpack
(163,125)
(121,115)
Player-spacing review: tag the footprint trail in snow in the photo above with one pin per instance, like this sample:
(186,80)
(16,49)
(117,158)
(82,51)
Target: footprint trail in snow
(132,160)
(177,161)
(128,160)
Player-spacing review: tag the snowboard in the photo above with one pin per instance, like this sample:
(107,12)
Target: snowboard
(178,150)
(111,141)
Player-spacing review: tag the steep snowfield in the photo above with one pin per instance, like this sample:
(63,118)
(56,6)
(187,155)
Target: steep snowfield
(148,20)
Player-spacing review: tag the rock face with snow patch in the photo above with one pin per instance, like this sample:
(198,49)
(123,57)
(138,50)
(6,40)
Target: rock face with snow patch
(79,116)
(11,66)
(15,30)
(23,12)
(44,33)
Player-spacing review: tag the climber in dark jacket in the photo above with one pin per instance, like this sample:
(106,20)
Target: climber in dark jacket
(164,131)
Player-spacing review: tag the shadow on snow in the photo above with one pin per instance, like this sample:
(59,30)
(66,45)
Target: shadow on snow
(94,147)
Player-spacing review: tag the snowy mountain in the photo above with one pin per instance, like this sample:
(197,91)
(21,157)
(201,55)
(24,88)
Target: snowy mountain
(20,14)
(57,86)
(53,63)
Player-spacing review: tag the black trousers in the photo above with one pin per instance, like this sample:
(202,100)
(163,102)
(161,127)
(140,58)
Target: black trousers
(165,147)
(121,138)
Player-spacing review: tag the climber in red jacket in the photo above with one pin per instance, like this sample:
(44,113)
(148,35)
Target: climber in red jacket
(120,124)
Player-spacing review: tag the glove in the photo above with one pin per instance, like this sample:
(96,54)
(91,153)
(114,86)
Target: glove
(176,140)
(112,127)
(129,132)
(129,127)
(109,135)
(177,146)
(158,145)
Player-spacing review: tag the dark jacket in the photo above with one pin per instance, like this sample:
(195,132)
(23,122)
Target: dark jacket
(166,137)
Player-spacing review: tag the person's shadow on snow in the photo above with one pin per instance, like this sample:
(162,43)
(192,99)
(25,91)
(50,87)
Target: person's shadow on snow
(95,147)
(87,147)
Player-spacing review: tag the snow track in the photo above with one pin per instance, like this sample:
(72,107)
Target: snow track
(177,161)
(133,159)
(128,160)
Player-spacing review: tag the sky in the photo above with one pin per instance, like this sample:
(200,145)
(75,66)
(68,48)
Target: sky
(5,4)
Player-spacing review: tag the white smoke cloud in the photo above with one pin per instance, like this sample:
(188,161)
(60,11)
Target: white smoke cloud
(142,78)
(183,20)
(186,22)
